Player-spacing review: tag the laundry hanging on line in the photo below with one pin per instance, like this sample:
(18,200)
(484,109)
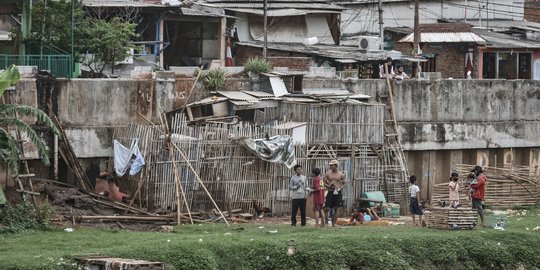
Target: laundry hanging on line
(127,158)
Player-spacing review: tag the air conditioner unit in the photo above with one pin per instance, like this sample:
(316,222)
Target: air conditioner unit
(369,43)
(128,59)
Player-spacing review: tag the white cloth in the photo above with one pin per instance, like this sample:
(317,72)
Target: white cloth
(127,158)
(413,189)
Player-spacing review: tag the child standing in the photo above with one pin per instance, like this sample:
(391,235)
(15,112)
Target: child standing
(453,190)
(298,186)
(414,190)
(318,196)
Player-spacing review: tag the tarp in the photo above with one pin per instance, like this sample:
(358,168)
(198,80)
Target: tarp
(278,149)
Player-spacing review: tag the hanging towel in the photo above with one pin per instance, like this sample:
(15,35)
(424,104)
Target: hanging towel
(127,158)
(138,163)
(122,157)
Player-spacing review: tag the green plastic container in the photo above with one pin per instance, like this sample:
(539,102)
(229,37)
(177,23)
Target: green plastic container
(374,195)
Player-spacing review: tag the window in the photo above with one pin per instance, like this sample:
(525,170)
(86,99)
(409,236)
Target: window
(506,65)
(430,65)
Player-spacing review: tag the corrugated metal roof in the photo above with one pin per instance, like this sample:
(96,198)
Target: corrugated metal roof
(460,37)
(300,99)
(325,92)
(259,5)
(240,102)
(324,50)
(238,95)
(202,12)
(121,3)
(208,100)
(260,94)
(501,40)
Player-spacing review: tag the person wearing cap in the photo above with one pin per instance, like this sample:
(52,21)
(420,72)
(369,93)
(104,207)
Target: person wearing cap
(298,188)
(479,192)
(334,181)
(453,190)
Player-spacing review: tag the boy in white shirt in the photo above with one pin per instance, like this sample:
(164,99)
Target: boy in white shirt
(414,192)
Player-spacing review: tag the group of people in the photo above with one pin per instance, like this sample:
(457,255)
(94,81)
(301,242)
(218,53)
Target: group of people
(327,194)
(476,190)
(398,76)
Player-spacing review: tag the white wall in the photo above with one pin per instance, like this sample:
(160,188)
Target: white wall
(364,18)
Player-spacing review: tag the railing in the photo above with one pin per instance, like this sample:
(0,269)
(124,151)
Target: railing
(59,66)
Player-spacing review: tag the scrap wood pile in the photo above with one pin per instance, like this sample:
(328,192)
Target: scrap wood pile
(75,206)
(506,186)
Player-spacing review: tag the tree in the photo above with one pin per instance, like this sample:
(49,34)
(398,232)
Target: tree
(9,150)
(106,43)
(51,24)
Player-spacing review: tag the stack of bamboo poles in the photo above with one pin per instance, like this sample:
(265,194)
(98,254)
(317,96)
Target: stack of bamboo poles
(505,186)
(67,153)
(451,218)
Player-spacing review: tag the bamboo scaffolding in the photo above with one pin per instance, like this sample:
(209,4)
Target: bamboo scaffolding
(505,186)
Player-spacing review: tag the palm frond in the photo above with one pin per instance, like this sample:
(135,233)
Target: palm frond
(27,110)
(9,151)
(31,133)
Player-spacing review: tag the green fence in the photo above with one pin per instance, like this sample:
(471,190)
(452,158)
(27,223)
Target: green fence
(59,66)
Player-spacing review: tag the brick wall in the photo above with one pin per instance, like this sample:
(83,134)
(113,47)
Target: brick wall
(450,58)
(292,60)
(532,11)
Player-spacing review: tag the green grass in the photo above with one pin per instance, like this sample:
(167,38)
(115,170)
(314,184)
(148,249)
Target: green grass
(215,246)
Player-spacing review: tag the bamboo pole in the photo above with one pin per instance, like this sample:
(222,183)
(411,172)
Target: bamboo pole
(177,180)
(193,170)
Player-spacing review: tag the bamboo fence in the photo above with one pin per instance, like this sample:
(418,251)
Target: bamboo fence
(234,176)
(506,185)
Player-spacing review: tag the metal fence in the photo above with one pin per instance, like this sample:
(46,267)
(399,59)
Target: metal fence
(59,66)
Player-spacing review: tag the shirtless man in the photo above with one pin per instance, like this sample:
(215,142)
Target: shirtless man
(334,181)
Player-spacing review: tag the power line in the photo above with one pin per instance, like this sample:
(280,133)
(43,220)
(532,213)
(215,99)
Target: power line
(493,11)
(498,4)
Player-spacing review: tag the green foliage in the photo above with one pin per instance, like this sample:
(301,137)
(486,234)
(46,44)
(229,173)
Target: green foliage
(257,65)
(246,246)
(9,150)
(214,78)
(25,216)
(107,42)
(51,23)
(9,77)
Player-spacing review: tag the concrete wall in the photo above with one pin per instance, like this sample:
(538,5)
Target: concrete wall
(443,123)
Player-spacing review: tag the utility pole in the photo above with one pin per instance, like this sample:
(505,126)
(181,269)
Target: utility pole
(416,44)
(466,5)
(381,26)
(26,25)
(265,29)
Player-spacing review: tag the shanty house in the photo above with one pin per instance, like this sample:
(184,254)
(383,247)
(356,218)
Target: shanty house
(449,48)
(173,33)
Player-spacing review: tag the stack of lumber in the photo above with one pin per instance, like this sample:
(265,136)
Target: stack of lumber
(448,218)
(505,186)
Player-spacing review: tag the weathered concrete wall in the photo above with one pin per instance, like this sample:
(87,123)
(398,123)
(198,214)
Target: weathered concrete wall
(443,123)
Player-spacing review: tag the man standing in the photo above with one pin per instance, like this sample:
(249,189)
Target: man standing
(298,194)
(479,190)
(334,180)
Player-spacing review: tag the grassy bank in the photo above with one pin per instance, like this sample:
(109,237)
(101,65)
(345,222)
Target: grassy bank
(215,246)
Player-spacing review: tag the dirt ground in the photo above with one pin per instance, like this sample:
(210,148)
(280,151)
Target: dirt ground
(69,203)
